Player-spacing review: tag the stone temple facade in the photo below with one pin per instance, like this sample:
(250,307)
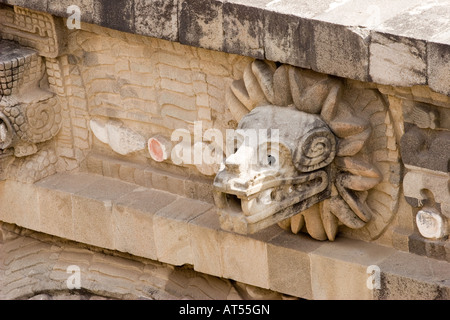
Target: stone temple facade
(212,149)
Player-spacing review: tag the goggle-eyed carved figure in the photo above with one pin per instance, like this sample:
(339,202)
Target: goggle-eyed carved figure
(323,176)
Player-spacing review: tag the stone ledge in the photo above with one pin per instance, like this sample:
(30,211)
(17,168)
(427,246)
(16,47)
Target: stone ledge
(158,225)
(401,44)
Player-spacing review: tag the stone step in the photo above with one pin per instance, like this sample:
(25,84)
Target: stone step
(173,229)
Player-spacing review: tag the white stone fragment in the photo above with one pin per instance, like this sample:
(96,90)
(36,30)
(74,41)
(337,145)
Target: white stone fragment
(3,132)
(430,223)
(121,139)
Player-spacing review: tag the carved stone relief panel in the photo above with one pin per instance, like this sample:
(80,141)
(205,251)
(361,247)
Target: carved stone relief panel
(30,114)
(425,150)
(338,162)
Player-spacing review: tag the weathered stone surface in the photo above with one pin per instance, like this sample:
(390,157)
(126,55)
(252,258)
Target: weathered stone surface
(32,4)
(158,86)
(117,15)
(244,30)
(426,149)
(92,211)
(285,253)
(323,47)
(349,271)
(419,20)
(68,182)
(427,188)
(55,202)
(269,259)
(132,219)
(25,201)
(201,23)
(236,249)
(424,116)
(330,26)
(89,9)
(439,67)
(36,264)
(172,237)
(359,13)
(431,224)
(281,87)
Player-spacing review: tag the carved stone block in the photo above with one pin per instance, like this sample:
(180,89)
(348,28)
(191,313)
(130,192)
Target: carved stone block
(30,115)
(326,150)
(34,29)
(120,138)
(425,151)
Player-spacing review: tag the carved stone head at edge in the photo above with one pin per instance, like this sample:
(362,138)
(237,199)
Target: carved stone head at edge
(323,172)
(30,111)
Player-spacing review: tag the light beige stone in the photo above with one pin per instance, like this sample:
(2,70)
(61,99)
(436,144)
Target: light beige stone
(290,265)
(159,148)
(313,222)
(431,224)
(92,211)
(156,86)
(205,242)
(121,139)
